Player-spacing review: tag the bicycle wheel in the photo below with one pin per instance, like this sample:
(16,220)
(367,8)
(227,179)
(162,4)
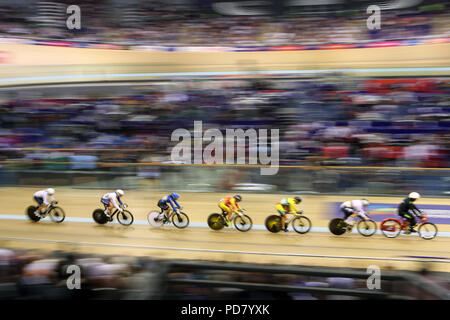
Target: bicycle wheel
(30,213)
(391,228)
(273,223)
(99,216)
(153,219)
(366,228)
(427,230)
(216,221)
(125,218)
(57,214)
(243,223)
(337,226)
(180,220)
(301,224)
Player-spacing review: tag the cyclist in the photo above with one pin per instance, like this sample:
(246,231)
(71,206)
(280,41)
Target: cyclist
(285,206)
(409,211)
(42,197)
(164,202)
(230,205)
(354,208)
(110,199)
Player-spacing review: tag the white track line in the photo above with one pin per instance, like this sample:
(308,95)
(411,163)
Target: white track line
(191,224)
(222,251)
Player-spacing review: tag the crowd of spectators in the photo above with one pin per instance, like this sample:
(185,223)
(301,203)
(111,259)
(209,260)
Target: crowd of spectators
(48,275)
(403,122)
(156,24)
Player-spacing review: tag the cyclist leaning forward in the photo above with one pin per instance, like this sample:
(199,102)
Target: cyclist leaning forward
(230,205)
(43,198)
(285,206)
(353,208)
(164,203)
(409,211)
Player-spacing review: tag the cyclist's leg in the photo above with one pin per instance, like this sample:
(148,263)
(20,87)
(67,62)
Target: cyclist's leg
(41,205)
(167,212)
(283,219)
(412,223)
(164,209)
(107,204)
(348,214)
(227,210)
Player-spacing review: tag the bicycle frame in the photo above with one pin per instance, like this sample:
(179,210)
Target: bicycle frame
(225,214)
(124,206)
(47,210)
(405,223)
(291,218)
(171,213)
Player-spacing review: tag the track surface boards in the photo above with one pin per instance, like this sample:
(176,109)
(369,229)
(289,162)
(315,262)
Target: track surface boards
(314,248)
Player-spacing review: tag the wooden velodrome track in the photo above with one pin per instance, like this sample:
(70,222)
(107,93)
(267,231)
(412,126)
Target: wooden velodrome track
(199,242)
(33,64)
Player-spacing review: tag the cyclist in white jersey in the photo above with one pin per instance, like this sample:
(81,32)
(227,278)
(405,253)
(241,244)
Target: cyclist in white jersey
(354,208)
(43,198)
(112,199)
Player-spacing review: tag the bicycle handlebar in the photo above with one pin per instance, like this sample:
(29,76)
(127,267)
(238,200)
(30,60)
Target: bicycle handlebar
(424,217)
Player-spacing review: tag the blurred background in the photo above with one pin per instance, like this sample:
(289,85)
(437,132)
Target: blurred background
(360,112)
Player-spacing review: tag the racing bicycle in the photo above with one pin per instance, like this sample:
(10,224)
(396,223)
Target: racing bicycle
(56,213)
(124,217)
(392,227)
(178,218)
(300,223)
(365,227)
(241,221)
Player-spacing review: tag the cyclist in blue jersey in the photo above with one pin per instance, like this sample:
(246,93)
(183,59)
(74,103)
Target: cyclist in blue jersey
(171,200)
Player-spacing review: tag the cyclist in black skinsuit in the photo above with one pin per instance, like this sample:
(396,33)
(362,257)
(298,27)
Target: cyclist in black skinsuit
(409,211)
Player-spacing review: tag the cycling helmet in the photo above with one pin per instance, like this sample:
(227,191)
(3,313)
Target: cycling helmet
(120,192)
(414,196)
(284,202)
(50,191)
(237,198)
(365,202)
(298,199)
(175,195)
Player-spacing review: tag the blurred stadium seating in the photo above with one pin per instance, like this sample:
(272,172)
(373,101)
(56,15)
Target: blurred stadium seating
(199,23)
(391,123)
(29,275)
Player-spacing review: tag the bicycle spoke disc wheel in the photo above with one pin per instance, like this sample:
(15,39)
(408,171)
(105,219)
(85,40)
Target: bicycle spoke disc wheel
(125,218)
(428,230)
(301,224)
(273,223)
(57,214)
(366,228)
(31,215)
(152,219)
(99,216)
(243,223)
(336,226)
(180,220)
(391,228)
(216,221)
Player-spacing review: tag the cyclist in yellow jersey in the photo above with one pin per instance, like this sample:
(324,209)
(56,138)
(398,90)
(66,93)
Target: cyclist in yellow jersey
(285,206)
(230,205)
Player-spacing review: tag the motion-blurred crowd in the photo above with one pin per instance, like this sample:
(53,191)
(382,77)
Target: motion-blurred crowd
(151,23)
(400,122)
(31,274)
